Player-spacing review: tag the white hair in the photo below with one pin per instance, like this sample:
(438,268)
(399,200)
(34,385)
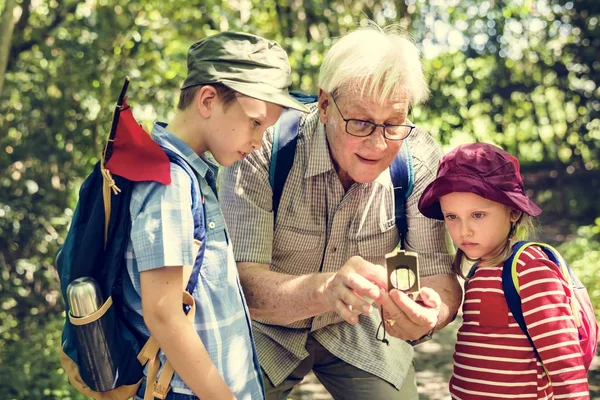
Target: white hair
(381,61)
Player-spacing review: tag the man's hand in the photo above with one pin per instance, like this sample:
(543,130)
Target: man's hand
(407,319)
(346,290)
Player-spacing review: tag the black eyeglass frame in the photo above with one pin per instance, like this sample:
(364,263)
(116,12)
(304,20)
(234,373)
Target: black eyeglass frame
(374,126)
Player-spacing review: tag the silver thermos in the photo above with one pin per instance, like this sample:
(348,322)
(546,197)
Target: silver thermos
(98,370)
(84,297)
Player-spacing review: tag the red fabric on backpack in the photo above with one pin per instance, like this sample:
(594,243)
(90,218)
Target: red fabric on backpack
(135,156)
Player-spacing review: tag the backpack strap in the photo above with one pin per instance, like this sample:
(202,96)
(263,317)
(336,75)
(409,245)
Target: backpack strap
(158,386)
(511,287)
(285,138)
(471,273)
(557,259)
(305,98)
(199,217)
(403,179)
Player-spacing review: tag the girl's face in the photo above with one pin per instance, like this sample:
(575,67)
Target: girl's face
(478,226)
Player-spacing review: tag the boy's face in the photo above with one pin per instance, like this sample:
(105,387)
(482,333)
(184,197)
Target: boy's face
(478,226)
(238,128)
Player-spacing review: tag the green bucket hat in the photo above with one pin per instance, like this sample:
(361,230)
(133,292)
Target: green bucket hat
(248,64)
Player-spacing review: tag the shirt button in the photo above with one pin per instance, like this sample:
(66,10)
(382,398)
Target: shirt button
(333,249)
(212,225)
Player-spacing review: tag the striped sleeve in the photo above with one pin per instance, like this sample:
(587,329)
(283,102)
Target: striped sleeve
(545,299)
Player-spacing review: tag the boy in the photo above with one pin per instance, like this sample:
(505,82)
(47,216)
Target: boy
(235,88)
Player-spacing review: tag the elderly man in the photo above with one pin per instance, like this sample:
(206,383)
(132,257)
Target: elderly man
(310,274)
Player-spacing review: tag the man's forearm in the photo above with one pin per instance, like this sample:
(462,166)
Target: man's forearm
(450,292)
(282,298)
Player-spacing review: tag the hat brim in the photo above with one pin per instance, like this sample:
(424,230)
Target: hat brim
(282,98)
(429,203)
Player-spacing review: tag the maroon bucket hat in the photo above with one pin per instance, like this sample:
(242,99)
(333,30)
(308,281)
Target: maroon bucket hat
(482,169)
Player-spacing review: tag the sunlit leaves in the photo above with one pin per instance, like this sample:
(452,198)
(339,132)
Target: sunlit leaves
(522,74)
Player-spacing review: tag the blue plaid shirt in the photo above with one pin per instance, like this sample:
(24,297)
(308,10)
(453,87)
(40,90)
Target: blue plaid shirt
(161,236)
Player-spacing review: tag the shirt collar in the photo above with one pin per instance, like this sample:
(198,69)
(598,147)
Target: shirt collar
(319,158)
(201,165)
(384,178)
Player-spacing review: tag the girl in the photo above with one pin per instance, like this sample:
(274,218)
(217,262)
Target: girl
(479,193)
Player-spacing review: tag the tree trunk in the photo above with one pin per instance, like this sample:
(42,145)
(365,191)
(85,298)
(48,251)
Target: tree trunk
(7,25)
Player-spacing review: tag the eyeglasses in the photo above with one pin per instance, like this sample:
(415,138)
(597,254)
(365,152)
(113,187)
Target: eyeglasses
(360,128)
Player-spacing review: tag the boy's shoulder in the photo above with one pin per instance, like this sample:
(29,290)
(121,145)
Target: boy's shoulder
(162,222)
(154,194)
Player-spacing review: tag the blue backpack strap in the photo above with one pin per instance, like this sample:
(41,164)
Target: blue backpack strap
(510,286)
(567,273)
(305,98)
(402,175)
(285,138)
(199,217)
(470,274)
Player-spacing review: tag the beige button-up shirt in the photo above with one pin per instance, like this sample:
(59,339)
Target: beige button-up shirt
(319,227)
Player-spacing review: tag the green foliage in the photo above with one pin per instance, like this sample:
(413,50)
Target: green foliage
(30,366)
(519,74)
(522,74)
(583,254)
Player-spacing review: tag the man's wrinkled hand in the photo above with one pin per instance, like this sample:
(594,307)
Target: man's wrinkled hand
(407,319)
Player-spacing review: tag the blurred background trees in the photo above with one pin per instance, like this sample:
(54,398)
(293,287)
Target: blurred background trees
(522,74)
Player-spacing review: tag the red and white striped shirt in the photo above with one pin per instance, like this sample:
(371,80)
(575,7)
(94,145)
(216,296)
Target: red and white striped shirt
(493,358)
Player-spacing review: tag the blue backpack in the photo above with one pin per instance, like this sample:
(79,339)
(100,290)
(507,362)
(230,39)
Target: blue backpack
(101,354)
(285,138)
(581,305)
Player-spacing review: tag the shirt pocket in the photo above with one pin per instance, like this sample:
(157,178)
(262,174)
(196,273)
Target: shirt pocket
(374,247)
(493,311)
(298,250)
(215,263)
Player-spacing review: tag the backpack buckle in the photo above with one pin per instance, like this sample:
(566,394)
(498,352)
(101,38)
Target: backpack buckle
(160,391)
